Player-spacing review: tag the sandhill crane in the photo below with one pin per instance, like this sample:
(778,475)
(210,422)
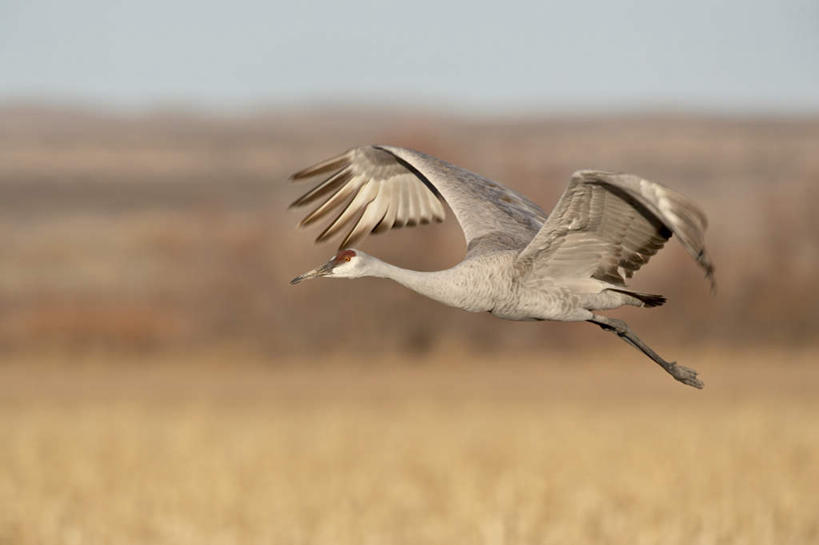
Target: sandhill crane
(520,263)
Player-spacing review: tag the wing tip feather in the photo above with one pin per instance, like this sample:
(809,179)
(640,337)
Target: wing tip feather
(333,163)
(707,265)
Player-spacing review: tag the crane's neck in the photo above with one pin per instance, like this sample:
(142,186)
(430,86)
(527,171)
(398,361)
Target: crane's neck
(453,287)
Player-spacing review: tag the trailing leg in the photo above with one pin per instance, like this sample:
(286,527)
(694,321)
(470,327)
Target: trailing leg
(682,374)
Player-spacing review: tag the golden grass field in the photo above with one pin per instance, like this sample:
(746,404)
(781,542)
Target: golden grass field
(442,450)
(165,232)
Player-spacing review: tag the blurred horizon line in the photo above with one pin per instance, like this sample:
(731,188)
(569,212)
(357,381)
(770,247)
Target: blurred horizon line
(427,107)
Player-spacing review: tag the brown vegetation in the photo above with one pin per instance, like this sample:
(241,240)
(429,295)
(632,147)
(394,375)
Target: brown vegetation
(169,231)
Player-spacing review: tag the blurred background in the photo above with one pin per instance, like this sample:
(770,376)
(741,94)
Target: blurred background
(153,354)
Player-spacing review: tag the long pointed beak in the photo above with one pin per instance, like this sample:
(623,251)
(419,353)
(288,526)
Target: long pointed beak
(318,272)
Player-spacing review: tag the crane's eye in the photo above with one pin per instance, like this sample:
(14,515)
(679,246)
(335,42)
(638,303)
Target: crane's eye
(346,255)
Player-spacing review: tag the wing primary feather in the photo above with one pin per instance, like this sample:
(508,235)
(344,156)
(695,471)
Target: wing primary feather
(402,210)
(388,220)
(373,214)
(328,165)
(335,200)
(339,178)
(423,205)
(361,199)
(412,205)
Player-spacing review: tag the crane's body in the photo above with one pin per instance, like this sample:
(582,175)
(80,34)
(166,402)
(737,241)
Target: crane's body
(520,263)
(490,283)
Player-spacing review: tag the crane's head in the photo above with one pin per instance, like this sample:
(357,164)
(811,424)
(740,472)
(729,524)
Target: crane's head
(345,264)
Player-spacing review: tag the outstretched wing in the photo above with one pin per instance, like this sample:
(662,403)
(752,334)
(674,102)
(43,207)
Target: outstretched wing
(378,188)
(606,226)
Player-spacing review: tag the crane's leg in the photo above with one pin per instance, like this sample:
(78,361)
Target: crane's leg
(683,374)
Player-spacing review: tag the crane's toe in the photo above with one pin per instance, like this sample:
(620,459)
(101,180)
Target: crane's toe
(686,375)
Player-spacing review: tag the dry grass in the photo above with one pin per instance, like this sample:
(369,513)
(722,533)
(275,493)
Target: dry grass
(234,450)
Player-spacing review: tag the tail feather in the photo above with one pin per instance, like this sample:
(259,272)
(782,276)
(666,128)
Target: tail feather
(649,299)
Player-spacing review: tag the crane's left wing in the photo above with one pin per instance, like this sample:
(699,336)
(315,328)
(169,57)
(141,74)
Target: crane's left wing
(606,226)
(378,188)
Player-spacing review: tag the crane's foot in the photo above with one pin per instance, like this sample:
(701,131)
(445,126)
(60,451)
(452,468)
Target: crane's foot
(684,374)
(681,373)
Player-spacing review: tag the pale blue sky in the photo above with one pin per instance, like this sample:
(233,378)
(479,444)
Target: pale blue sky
(733,55)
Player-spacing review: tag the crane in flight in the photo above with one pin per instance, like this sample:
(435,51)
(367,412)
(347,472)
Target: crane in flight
(520,263)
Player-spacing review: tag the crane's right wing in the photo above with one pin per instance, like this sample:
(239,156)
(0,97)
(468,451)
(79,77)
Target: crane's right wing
(606,226)
(382,187)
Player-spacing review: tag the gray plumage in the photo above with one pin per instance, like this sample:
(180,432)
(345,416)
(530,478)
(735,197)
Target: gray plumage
(520,263)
